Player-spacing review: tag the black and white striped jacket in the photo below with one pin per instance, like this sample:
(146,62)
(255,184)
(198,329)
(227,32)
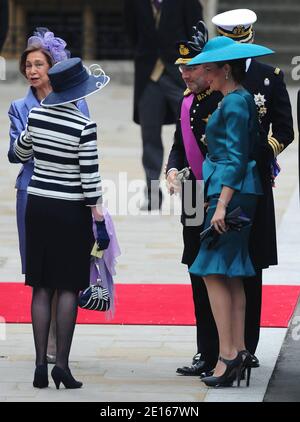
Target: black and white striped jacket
(63,143)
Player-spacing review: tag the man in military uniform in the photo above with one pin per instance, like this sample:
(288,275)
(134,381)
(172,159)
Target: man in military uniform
(197,104)
(267,85)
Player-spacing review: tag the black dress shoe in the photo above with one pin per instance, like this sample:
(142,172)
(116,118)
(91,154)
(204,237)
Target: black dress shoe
(206,374)
(254,362)
(197,368)
(196,358)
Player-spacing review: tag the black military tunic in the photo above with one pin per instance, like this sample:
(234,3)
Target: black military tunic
(274,110)
(204,104)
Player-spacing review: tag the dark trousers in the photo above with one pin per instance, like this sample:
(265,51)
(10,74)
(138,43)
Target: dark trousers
(156,98)
(253,290)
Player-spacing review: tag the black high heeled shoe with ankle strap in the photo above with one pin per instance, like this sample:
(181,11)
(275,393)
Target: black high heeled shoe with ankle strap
(232,373)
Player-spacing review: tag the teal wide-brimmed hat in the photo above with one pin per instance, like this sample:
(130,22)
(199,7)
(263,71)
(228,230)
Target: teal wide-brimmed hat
(220,49)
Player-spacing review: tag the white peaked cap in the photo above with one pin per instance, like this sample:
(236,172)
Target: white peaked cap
(232,18)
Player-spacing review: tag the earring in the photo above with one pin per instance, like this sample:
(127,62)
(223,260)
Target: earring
(226,76)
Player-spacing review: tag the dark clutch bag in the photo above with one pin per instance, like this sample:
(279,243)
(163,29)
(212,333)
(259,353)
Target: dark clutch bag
(94,298)
(235,220)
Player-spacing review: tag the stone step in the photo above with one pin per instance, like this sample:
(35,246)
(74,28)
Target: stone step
(273,34)
(277,15)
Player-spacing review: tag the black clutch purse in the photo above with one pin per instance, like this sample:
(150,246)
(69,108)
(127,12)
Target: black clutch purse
(94,298)
(235,220)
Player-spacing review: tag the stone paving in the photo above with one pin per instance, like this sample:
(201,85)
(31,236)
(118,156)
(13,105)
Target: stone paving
(128,363)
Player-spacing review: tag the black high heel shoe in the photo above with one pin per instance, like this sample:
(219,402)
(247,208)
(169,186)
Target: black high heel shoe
(41,376)
(232,372)
(248,363)
(60,375)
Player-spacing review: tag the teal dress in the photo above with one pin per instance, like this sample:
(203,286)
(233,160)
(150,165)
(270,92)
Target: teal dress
(232,133)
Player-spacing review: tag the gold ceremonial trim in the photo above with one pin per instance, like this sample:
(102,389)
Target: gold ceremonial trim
(205,119)
(276,146)
(182,61)
(273,147)
(277,71)
(280,146)
(187,92)
(203,94)
(184,50)
(230,35)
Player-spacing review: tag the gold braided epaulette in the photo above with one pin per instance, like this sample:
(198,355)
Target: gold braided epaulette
(277,71)
(187,92)
(276,146)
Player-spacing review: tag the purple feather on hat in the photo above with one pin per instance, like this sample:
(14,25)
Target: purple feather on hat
(45,39)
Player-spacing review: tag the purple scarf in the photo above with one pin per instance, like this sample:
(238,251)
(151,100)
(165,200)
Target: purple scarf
(106,265)
(192,150)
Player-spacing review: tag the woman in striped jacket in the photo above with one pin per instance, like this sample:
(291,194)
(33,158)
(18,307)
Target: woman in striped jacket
(63,194)
(42,52)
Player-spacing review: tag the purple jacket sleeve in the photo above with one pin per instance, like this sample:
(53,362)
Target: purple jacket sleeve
(83,107)
(16,127)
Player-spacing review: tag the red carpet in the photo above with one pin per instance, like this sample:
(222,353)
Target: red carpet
(151,304)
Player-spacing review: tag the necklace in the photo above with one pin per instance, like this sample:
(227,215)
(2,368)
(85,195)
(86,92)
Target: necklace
(236,88)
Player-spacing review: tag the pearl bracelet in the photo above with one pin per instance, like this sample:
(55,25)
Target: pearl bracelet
(222,202)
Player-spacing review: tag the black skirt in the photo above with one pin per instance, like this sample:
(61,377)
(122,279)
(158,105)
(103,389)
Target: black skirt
(59,239)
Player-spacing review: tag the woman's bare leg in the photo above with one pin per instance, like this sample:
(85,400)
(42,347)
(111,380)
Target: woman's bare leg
(220,298)
(238,312)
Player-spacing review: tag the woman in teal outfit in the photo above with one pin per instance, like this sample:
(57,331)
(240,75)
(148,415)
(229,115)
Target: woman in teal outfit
(231,180)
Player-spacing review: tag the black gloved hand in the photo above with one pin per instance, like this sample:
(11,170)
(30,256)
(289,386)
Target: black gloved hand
(102,235)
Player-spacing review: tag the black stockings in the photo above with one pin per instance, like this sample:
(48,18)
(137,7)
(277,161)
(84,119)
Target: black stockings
(65,323)
(66,313)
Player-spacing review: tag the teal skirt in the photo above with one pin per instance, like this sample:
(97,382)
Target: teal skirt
(229,256)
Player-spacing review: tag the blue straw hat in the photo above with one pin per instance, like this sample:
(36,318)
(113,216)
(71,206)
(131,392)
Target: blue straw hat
(71,82)
(220,49)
